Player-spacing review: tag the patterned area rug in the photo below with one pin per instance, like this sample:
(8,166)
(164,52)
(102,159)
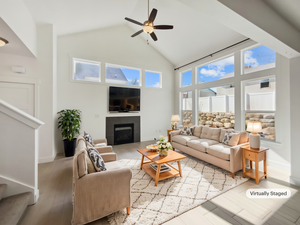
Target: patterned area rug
(201,181)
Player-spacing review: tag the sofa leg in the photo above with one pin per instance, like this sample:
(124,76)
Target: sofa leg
(128,210)
(232,174)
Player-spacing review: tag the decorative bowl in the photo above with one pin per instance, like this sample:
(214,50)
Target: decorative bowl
(152,148)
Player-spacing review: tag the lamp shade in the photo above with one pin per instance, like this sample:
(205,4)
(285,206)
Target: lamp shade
(175,118)
(254,126)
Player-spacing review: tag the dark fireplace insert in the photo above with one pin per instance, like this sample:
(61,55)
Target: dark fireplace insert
(123,133)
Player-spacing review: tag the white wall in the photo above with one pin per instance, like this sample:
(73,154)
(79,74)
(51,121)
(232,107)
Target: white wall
(295,122)
(113,45)
(40,68)
(279,153)
(17,16)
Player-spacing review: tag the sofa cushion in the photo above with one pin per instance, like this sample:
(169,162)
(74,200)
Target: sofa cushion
(113,166)
(181,139)
(197,131)
(100,145)
(201,144)
(187,131)
(222,134)
(210,133)
(231,138)
(243,137)
(88,138)
(220,151)
(97,160)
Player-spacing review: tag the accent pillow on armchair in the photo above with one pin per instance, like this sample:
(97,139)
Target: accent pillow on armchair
(88,138)
(97,160)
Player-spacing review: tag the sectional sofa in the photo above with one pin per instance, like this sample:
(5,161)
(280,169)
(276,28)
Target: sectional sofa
(205,143)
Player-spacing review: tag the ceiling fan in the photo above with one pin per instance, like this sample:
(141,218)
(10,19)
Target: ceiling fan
(148,25)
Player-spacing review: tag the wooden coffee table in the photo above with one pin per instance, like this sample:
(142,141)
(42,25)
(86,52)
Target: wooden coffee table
(159,160)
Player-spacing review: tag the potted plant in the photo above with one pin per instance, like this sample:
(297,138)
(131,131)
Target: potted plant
(163,146)
(69,121)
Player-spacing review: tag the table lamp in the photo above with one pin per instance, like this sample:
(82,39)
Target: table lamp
(174,121)
(254,138)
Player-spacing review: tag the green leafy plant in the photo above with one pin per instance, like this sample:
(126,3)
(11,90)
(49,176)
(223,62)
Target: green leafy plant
(69,121)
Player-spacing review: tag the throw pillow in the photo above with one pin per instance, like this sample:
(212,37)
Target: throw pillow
(88,138)
(97,160)
(187,131)
(231,138)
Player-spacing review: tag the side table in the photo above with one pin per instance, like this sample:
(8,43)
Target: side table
(255,155)
(169,136)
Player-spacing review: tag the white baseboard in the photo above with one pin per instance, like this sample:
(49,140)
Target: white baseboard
(47,159)
(15,187)
(286,167)
(295,180)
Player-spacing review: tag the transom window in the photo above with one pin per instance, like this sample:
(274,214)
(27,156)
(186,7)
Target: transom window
(259,58)
(153,79)
(86,70)
(186,78)
(123,75)
(220,69)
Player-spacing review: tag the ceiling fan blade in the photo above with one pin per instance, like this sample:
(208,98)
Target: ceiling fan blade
(152,15)
(163,27)
(137,33)
(153,36)
(134,21)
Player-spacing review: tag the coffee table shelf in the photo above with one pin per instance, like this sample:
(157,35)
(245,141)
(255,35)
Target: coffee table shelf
(164,175)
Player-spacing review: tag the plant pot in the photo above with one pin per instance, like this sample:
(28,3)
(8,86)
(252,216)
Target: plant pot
(163,152)
(70,147)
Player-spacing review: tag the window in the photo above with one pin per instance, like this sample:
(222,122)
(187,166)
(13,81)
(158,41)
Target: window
(152,79)
(217,70)
(86,70)
(260,105)
(186,78)
(259,58)
(187,107)
(122,75)
(216,106)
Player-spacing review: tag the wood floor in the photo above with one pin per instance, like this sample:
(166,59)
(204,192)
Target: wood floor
(54,206)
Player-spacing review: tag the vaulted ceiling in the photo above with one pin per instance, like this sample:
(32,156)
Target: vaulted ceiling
(194,35)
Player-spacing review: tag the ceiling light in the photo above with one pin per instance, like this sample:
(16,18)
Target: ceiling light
(148,28)
(3,42)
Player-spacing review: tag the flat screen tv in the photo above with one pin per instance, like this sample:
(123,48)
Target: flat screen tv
(124,99)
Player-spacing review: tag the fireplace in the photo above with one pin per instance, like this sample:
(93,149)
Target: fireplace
(123,133)
(126,127)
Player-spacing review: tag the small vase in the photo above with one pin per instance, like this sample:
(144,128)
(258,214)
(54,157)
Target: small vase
(163,152)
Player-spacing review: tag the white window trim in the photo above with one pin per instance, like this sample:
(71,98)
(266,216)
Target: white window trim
(207,63)
(125,67)
(73,59)
(160,78)
(181,73)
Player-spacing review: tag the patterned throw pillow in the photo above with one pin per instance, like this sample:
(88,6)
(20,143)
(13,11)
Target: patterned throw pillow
(187,131)
(231,138)
(88,138)
(96,159)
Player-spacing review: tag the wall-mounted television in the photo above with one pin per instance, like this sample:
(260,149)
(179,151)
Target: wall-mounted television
(124,99)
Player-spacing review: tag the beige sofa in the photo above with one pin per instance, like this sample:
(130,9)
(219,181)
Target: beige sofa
(98,194)
(206,144)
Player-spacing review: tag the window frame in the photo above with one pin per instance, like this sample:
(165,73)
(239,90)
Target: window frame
(181,77)
(160,78)
(210,62)
(125,67)
(181,105)
(73,59)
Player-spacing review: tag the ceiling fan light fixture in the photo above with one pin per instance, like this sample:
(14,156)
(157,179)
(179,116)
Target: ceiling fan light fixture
(148,29)
(3,42)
